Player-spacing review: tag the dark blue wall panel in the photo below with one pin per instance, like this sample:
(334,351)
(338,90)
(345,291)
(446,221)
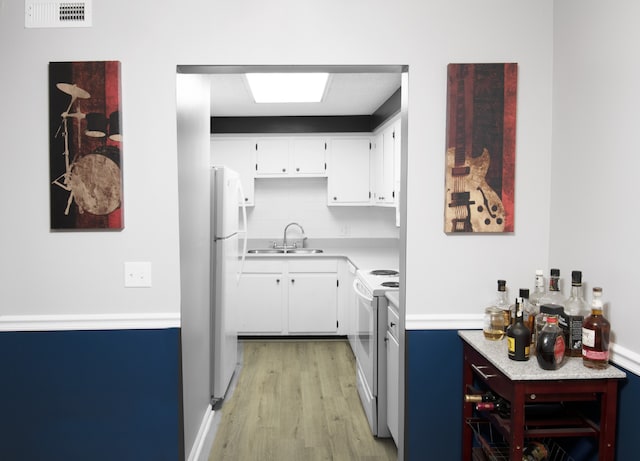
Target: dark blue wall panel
(90,395)
(434,389)
(434,403)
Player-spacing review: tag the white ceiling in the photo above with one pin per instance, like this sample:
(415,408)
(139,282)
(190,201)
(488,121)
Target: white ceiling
(346,94)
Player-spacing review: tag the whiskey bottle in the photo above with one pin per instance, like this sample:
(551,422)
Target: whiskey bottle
(595,335)
(576,310)
(502,303)
(554,294)
(518,335)
(538,290)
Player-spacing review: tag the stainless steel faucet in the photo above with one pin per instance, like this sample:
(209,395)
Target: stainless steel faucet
(284,239)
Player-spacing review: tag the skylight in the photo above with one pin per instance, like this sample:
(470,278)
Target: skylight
(287,87)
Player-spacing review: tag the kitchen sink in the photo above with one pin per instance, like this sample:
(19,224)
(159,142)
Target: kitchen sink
(265,251)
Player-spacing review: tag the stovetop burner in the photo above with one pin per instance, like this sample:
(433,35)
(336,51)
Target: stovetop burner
(391,284)
(384,272)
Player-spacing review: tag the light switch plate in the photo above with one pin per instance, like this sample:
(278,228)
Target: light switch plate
(137,274)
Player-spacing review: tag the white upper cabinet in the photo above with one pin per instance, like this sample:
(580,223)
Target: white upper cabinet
(287,157)
(348,171)
(272,157)
(237,154)
(309,156)
(384,154)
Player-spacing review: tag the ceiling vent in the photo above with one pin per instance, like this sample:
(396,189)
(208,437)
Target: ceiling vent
(39,13)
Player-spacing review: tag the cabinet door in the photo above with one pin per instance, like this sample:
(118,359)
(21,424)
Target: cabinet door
(313,303)
(393,370)
(260,304)
(237,154)
(348,175)
(308,156)
(272,157)
(383,167)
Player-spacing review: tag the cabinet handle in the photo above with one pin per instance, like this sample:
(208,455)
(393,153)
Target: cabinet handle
(392,324)
(335,198)
(284,170)
(297,169)
(482,373)
(278,281)
(293,281)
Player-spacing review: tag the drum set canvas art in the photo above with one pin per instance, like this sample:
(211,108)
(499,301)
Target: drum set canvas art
(85,145)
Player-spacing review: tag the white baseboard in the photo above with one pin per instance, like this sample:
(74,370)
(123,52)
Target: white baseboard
(204,439)
(137,321)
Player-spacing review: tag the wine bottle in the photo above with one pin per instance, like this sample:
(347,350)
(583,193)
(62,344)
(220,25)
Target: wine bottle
(476,398)
(518,335)
(595,335)
(500,406)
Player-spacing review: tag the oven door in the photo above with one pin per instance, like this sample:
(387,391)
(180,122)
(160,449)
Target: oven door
(365,335)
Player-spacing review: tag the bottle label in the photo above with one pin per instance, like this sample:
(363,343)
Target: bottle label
(588,337)
(595,355)
(558,349)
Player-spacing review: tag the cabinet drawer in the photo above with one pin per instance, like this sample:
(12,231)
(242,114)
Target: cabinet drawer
(263,266)
(486,372)
(313,265)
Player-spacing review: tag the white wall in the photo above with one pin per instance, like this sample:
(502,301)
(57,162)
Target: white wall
(594,212)
(281,201)
(82,272)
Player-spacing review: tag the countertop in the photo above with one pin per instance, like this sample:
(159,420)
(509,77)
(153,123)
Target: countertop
(368,254)
(496,353)
(393,297)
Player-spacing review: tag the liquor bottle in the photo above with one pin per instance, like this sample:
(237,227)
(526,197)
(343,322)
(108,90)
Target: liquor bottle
(502,303)
(500,406)
(538,290)
(595,335)
(550,347)
(553,301)
(527,312)
(477,398)
(518,335)
(554,294)
(576,309)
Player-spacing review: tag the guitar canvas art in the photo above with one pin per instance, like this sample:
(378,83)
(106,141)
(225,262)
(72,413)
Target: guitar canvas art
(481,126)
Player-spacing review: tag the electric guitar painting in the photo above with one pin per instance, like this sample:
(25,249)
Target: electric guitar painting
(471,204)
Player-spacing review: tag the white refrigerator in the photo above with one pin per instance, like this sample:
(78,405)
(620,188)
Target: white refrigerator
(227,260)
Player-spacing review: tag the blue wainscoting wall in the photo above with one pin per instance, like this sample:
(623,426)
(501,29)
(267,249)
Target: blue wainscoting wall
(434,402)
(90,395)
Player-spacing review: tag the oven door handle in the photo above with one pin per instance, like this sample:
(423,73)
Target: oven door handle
(356,288)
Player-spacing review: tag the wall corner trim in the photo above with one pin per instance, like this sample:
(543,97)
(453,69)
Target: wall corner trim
(133,321)
(204,439)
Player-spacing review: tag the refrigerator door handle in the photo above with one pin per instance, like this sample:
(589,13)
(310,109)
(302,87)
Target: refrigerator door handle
(242,231)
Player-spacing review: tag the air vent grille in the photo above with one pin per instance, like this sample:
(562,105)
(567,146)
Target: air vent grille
(40,13)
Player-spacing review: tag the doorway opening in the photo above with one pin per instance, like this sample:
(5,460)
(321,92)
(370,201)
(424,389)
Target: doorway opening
(228,84)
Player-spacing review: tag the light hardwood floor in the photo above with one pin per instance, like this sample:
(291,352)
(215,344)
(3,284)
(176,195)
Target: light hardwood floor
(296,400)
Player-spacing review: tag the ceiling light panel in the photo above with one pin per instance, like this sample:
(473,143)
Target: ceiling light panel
(287,87)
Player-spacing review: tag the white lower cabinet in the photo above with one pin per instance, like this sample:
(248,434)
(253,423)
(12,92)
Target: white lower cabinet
(282,296)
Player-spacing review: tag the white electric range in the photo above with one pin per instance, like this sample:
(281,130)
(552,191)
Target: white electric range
(370,287)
